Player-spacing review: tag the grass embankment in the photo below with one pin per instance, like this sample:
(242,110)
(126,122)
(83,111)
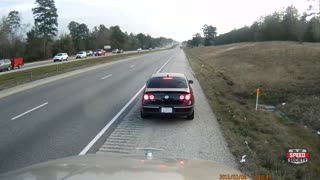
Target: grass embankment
(21,77)
(286,72)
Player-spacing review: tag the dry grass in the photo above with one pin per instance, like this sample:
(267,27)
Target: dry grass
(286,72)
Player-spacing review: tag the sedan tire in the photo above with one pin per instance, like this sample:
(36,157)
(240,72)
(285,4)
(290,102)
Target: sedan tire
(143,115)
(191,117)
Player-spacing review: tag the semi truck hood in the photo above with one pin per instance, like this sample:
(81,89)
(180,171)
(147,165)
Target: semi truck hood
(116,167)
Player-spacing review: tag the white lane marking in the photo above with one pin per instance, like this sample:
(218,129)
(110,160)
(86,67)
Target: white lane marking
(132,66)
(30,111)
(106,76)
(95,139)
(165,64)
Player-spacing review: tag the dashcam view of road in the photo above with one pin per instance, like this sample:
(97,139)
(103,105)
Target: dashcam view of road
(162,90)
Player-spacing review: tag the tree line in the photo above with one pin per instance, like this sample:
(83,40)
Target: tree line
(286,25)
(41,41)
(209,33)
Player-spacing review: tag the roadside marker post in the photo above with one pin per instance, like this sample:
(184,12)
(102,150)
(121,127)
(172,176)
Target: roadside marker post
(201,67)
(257,99)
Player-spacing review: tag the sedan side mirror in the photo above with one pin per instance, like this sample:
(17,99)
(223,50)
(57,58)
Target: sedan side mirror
(190,82)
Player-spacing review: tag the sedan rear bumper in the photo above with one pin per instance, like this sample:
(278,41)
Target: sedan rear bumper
(176,110)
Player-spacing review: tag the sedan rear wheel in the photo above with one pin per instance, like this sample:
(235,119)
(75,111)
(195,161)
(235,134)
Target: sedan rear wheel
(143,115)
(9,68)
(191,117)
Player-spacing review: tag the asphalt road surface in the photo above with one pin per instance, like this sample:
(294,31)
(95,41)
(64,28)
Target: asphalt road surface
(62,118)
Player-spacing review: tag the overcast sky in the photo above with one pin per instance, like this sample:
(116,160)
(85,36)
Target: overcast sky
(177,19)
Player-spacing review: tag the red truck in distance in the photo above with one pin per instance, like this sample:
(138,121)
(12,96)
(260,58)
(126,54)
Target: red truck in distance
(16,62)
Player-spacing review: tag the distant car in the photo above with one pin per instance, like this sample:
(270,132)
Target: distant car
(81,54)
(168,93)
(139,49)
(61,57)
(5,64)
(89,53)
(150,48)
(115,51)
(100,52)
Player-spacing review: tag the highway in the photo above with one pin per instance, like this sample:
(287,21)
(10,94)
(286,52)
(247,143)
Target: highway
(71,58)
(62,118)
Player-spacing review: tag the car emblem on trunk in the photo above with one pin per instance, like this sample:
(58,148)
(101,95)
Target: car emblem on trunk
(166,97)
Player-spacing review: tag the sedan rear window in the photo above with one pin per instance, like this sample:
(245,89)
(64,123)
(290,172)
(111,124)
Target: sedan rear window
(167,82)
(59,54)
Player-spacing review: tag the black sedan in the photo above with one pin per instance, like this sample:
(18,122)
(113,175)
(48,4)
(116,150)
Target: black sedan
(168,93)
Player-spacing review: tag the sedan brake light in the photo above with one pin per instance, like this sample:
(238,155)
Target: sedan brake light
(187,97)
(151,97)
(146,97)
(181,97)
(167,78)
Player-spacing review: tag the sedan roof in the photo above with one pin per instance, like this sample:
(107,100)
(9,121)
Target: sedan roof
(168,74)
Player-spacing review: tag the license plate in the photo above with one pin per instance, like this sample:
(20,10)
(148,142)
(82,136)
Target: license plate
(166,110)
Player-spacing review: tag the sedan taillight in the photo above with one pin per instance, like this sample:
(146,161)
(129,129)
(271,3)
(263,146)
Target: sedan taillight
(185,97)
(146,97)
(151,97)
